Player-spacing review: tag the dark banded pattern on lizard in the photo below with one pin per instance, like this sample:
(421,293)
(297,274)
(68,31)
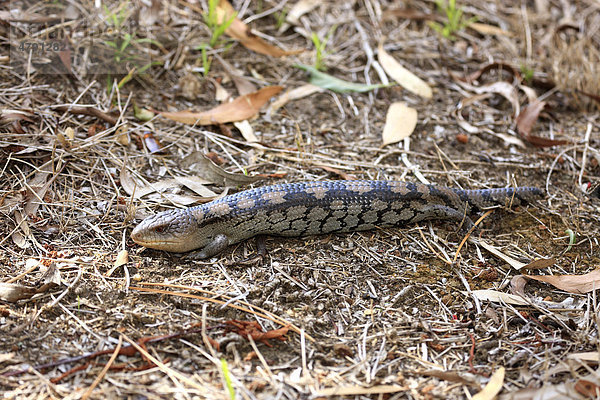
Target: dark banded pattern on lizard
(310,208)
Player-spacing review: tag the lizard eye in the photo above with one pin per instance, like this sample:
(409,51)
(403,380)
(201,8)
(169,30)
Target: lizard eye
(159,228)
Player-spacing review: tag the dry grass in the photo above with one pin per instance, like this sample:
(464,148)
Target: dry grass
(382,314)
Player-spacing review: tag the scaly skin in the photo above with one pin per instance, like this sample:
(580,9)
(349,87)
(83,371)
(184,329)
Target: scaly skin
(310,208)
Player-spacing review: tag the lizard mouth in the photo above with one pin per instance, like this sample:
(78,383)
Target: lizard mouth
(137,237)
(177,245)
(167,245)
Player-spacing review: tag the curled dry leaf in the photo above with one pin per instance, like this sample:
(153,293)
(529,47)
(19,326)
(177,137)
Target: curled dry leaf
(240,31)
(527,119)
(529,92)
(502,66)
(254,330)
(404,77)
(400,122)
(510,139)
(572,283)
(504,89)
(243,107)
(493,387)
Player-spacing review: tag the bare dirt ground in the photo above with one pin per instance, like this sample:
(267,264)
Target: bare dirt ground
(387,314)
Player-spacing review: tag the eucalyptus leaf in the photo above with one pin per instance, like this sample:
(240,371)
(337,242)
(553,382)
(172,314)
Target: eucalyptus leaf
(327,81)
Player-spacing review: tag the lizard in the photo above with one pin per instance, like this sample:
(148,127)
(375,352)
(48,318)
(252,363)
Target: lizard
(315,207)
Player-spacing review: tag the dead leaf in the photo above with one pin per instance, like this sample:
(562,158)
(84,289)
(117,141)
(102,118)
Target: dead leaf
(517,285)
(344,175)
(592,96)
(242,84)
(486,29)
(299,9)
(205,168)
(400,122)
(502,66)
(572,283)
(196,184)
(355,390)
(529,92)
(407,13)
(221,94)
(592,356)
(121,135)
(37,188)
(254,330)
(50,279)
(587,388)
(527,119)
(65,55)
(498,297)
(538,141)
(511,261)
(12,292)
(8,116)
(240,31)
(128,183)
(164,191)
(403,76)
(18,238)
(246,130)
(564,390)
(510,139)
(243,107)
(122,258)
(450,376)
(493,387)
(504,89)
(4,357)
(294,94)
(540,263)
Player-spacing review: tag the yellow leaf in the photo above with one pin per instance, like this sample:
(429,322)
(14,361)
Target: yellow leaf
(404,77)
(400,122)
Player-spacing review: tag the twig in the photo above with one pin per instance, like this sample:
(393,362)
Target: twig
(91,111)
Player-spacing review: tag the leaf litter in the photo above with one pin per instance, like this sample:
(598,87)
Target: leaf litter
(375,312)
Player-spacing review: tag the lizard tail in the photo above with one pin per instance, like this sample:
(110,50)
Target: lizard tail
(485,198)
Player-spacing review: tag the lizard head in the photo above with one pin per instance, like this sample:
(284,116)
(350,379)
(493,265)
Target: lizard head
(176,231)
